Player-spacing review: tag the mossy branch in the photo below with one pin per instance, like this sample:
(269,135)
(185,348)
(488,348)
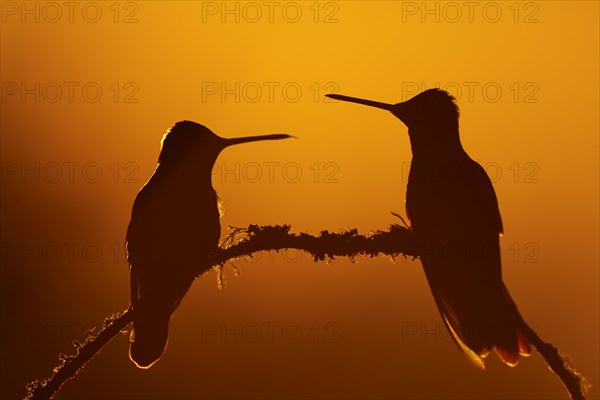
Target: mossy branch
(69,365)
(575,383)
(240,242)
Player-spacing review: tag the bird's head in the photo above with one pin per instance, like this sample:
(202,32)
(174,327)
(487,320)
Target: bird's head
(189,144)
(433,108)
(431,118)
(429,109)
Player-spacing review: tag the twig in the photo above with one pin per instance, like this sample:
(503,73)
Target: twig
(240,242)
(69,365)
(574,382)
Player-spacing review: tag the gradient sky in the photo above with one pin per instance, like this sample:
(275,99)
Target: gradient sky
(88,92)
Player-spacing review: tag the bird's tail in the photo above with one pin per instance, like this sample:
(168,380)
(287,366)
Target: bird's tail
(149,336)
(482,323)
(152,311)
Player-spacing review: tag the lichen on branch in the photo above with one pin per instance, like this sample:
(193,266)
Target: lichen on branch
(240,242)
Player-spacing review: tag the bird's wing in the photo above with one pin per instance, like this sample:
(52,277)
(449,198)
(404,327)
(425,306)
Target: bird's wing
(459,220)
(163,244)
(133,239)
(483,203)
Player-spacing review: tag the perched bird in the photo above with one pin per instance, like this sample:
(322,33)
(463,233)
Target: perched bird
(174,226)
(456,222)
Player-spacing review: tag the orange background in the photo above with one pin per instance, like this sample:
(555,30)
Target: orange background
(380,335)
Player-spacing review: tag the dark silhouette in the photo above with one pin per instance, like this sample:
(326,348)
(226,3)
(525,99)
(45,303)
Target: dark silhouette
(172,210)
(174,226)
(454,214)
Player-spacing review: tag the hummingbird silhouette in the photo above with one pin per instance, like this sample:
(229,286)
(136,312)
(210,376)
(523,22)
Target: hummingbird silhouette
(175,223)
(456,221)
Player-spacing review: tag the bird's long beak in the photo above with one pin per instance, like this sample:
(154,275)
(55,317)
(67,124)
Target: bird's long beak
(365,102)
(248,139)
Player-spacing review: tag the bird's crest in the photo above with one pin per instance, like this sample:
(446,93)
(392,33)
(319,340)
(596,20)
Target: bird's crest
(439,100)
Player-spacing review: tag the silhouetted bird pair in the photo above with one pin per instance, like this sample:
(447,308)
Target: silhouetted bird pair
(450,201)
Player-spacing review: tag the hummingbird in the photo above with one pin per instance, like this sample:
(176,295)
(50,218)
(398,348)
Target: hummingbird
(175,224)
(454,215)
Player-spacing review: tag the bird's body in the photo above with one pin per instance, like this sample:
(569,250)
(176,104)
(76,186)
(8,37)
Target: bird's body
(456,222)
(174,227)
(455,219)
